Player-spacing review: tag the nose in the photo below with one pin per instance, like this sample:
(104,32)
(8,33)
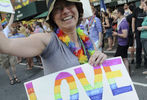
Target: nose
(65,10)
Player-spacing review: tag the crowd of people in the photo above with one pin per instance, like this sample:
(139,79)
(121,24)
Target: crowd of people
(67,39)
(14,30)
(125,24)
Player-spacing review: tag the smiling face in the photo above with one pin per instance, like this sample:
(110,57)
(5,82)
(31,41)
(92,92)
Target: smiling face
(65,14)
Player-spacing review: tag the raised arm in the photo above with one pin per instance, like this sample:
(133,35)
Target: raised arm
(24,47)
(11,20)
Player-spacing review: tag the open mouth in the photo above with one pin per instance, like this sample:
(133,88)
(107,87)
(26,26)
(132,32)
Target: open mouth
(67,18)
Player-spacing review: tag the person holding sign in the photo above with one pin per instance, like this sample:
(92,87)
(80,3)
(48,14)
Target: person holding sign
(66,47)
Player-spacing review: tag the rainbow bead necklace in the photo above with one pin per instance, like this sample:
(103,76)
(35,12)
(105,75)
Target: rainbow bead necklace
(86,49)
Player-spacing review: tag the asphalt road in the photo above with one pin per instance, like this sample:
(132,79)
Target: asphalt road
(17,91)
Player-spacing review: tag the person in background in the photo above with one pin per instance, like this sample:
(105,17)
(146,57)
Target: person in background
(143,30)
(38,27)
(7,61)
(22,29)
(108,29)
(95,30)
(30,62)
(130,34)
(122,34)
(45,26)
(84,25)
(112,21)
(127,10)
(136,22)
(114,25)
(59,50)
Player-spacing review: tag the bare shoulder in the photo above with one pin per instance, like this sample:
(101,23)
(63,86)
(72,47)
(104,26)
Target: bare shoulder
(42,37)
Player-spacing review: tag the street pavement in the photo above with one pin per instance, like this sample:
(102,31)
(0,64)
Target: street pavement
(17,91)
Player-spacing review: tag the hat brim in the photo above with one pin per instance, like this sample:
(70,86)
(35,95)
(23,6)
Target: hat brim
(50,4)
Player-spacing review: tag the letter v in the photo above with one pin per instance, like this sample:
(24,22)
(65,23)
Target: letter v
(96,92)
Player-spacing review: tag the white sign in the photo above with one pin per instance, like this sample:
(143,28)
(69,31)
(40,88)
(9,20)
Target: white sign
(121,1)
(87,8)
(6,6)
(107,1)
(110,81)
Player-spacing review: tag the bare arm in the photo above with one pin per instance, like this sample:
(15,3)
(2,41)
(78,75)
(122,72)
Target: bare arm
(124,34)
(142,28)
(24,47)
(107,23)
(133,24)
(11,20)
(100,39)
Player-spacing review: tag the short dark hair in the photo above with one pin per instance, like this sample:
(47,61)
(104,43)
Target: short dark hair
(106,14)
(120,10)
(132,7)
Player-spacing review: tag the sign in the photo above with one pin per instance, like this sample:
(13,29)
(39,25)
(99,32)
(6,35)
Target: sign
(121,1)
(110,81)
(6,6)
(19,4)
(87,8)
(29,11)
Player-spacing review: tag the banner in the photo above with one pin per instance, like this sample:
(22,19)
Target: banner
(110,81)
(102,6)
(6,6)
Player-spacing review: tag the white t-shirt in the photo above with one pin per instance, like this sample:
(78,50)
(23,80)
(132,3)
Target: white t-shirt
(6,31)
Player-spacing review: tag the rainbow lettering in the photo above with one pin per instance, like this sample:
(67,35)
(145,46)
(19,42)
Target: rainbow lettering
(94,93)
(30,91)
(74,95)
(114,74)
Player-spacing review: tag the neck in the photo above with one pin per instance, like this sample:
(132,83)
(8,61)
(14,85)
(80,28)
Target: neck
(121,17)
(72,34)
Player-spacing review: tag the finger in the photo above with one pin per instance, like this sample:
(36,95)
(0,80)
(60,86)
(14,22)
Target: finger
(98,60)
(103,59)
(93,58)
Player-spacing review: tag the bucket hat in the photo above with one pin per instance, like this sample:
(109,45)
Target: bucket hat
(50,5)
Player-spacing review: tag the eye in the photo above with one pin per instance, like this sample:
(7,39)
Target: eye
(58,8)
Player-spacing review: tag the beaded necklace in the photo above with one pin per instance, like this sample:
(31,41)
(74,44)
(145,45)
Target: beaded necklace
(85,51)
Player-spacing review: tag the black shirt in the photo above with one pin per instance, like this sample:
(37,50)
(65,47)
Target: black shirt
(129,20)
(139,16)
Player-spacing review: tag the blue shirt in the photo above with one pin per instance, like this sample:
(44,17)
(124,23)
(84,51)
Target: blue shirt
(95,29)
(17,35)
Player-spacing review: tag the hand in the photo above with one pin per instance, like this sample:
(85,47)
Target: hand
(114,33)
(139,28)
(97,58)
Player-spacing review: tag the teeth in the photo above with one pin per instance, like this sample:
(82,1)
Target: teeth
(67,18)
